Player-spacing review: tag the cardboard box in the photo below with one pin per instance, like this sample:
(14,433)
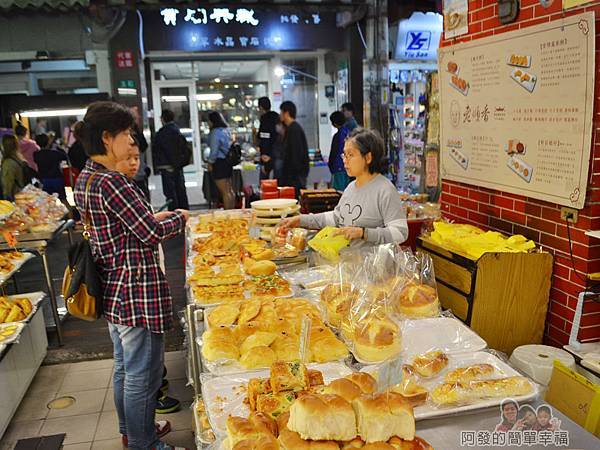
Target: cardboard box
(575,396)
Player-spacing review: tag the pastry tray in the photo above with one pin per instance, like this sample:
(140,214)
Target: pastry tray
(15,336)
(4,277)
(34,297)
(430,410)
(224,395)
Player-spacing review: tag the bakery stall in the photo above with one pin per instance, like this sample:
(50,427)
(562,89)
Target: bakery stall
(302,339)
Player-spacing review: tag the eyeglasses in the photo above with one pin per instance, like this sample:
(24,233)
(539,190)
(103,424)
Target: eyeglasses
(346,156)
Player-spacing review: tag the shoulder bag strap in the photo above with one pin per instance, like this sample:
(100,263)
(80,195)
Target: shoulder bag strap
(87,225)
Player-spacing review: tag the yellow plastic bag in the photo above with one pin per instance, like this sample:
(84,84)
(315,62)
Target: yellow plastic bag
(328,244)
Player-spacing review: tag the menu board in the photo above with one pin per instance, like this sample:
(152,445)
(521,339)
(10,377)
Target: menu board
(516,110)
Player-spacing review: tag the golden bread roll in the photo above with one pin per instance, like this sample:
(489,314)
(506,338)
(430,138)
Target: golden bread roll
(267,315)
(469,373)
(218,343)
(286,347)
(264,442)
(244,330)
(256,387)
(25,305)
(290,440)
(249,310)
(343,387)
(282,421)
(503,387)
(257,357)
(338,298)
(263,423)
(324,346)
(275,404)
(323,417)
(288,376)
(354,443)
(451,393)
(416,444)
(283,325)
(409,387)
(239,429)
(376,339)
(258,339)
(225,315)
(383,415)
(418,300)
(264,254)
(261,268)
(364,380)
(15,314)
(430,363)
(378,446)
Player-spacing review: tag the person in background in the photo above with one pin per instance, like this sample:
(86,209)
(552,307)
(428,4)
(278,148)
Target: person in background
(370,210)
(169,153)
(68,134)
(266,136)
(13,176)
(49,161)
(348,111)
(277,152)
(124,237)
(219,141)
(27,147)
(510,411)
(77,156)
(339,177)
(143,171)
(41,126)
(296,164)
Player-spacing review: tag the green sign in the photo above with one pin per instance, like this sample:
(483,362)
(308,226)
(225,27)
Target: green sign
(127,84)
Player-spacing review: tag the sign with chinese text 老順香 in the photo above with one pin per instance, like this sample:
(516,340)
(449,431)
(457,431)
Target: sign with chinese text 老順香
(222,29)
(516,110)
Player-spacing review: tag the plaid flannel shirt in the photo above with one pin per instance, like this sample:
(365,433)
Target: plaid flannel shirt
(124,237)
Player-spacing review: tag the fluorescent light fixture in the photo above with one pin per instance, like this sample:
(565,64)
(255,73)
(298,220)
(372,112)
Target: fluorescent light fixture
(126,91)
(279,71)
(174,98)
(250,86)
(55,112)
(208,97)
(186,130)
(226,86)
(217,80)
(235,86)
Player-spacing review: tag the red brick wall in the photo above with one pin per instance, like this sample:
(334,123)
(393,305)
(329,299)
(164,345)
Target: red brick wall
(536,219)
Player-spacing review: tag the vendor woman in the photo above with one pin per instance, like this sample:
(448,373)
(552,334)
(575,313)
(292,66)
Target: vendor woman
(370,208)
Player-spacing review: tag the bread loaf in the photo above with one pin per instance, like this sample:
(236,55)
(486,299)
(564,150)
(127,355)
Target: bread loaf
(261,268)
(288,376)
(223,315)
(383,415)
(409,387)
(418,300)
(323,417)
(365,381)
(469,373)
(289,440)
(376,339)
(430,363)
(416,444)
(343,387)
(260,443)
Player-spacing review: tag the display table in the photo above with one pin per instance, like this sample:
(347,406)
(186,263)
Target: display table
(19,363)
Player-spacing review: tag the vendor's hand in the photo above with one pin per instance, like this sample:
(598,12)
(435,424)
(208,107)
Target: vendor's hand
(351,233)
(163,215)
(209,167)
(265,158)
(289,223)
(185,213)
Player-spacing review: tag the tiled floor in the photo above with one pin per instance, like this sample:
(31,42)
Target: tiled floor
(91,423)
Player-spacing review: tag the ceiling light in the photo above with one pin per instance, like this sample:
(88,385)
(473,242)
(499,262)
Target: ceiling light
(174,98)
(250,86)
(208,97)
(217,80)
(279,71)
(235,86)
(226,86)
(55,112)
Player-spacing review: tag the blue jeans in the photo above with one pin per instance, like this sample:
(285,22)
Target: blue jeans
(139,358)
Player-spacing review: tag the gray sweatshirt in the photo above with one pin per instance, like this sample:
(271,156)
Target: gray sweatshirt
(376,207)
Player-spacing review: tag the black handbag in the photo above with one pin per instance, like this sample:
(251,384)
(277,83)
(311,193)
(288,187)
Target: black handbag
(81,287)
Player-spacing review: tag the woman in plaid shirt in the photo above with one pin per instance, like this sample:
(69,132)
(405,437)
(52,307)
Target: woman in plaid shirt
(124,237)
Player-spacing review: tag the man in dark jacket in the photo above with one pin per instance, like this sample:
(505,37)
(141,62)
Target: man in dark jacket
(169,160)
(339,177)
(266,136)
(296,164)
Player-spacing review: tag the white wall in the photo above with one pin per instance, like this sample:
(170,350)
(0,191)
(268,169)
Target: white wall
(326,106)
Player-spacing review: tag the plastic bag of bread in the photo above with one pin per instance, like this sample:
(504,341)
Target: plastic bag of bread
(328,243)
(460,393)
(370,328)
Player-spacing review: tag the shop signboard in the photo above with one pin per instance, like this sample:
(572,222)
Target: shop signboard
(572,3)
(516,110)
(221,29)
(419,37)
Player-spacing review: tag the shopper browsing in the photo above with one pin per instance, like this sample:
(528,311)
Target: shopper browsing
(170,149)
(348,111)
(370,209)
(124,237)
(49,162)
(13,171)
(27,147)
(339,177)
(266,136)
(296,164)
(219,141)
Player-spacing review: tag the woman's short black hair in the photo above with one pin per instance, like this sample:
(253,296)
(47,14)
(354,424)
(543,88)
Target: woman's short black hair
(337,118)
(369,141)
(217,119)
(101,117)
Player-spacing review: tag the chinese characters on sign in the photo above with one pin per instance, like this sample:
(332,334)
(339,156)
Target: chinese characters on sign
(516,110)
(124,59)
